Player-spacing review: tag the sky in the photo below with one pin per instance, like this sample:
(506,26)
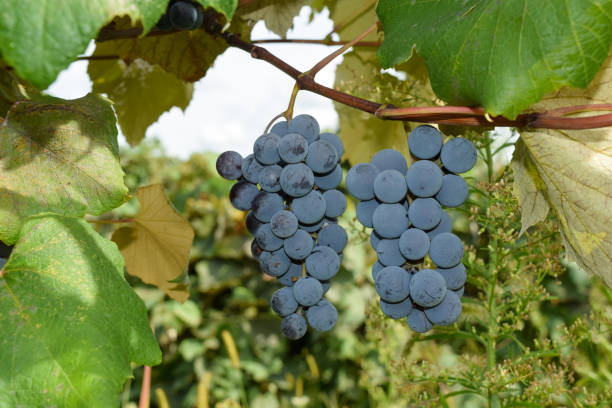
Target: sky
(239,95)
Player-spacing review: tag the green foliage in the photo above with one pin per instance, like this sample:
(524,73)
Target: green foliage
(71,324)
(503,55)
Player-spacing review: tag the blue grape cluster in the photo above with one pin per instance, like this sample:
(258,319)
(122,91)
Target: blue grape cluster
(181,15)
(288,185)
(404,207)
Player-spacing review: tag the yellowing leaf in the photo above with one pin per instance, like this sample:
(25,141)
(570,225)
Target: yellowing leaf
(156,246)
(572,170)
(277,15)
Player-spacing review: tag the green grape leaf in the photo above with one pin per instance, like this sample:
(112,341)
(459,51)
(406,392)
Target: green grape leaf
(362,133)
(41,38)
(71,323)
(572,171)
(503,55)
(141,92)
(225,7)
(58,156)
(277,15)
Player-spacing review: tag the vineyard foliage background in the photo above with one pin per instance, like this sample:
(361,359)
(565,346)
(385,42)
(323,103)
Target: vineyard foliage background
(76,213)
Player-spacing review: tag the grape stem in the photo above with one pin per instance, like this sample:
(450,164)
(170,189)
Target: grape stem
(449,115)
(145,390)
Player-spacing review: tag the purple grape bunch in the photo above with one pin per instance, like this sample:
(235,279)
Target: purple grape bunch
(404,207)
(288,186)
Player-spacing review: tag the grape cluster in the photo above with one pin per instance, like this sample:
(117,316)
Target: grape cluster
(181,15)
(288,185)
(404,207)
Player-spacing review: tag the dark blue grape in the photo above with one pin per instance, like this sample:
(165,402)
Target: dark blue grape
(299,245)
(418,322)
(425,142)
(243,195)
(390,186)
(375,239)
(265,149)
(283,303)
(454,277)
(306,126)
(331,180)
(376,268)
(310,208)
(414,244)
(252,223)
(294,326)
(424,178)
(266,239)
(251,169)
(454,191)
(265,205)
(307,291)
(393,284)
(323,263)
(323,316)
(446,312)
(365,211)
(390,220)
(269,178)
(334,140)
(445,225)
(326,284)
(396,310)
(315,227)
(229,165)
(284,224)
(389,159)
(256,250)
(458,155)
(388,253)
(335,203)
(322,157)
(275,263)
(297,179)
(427,288)
(425,213)
(293,274)
(360,181)
(280,128)
(459,292)
(293,148)
(446,250)
(333,236)
(183,15)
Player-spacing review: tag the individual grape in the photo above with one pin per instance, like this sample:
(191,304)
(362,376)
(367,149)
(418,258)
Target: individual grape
(389,159)
(375,240)
(164,23)
(446,250)
(183,15)
(283,303)
(454,277)
(299,245)
(393,284)
(322,157)
(396,310)
(445,225)
(306,126)
(323,316)
(427,288)
(284,224)
(424,178)
(266,239)
(293,274)
(323,263)
(454,191)
(200,18)
(333,236)
(335,203)
(293,148)
(388,252)
(269,178)
(294,326)
(390,186)
(251,169)
(243,194)
(365,211)
(325,284)
(256,250)
(313,227)
(360,180)
(252,223)
(425,142)
(310,208)
(459,292)
(418,322)
(297,179)
(329,181)
(414,244)
(265,205)
(458,155)
(280,128)
(229,165)
(265,149)
(446,312)
(334,140)
(275,263)
(376,268)
(390,220)
(425,213)
(307,291)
